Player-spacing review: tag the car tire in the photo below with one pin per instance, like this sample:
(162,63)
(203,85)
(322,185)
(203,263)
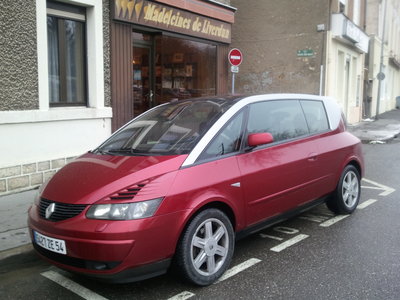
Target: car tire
(345,198)
(206,247)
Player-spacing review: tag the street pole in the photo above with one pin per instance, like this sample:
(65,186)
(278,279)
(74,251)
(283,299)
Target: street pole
(380,77)
(233,83)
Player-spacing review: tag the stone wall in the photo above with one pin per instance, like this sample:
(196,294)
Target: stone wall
(107,55)
(18,56)
(28,176)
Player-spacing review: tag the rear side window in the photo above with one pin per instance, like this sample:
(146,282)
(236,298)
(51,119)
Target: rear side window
(315,115)
(284,119)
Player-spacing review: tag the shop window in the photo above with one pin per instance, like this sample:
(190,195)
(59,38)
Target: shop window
(66,27)
(184,69)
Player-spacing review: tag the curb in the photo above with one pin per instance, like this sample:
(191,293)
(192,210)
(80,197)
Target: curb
(379,140)
(15,251)
(377,136)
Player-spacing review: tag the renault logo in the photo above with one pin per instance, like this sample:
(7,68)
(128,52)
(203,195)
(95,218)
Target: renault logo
(50,209)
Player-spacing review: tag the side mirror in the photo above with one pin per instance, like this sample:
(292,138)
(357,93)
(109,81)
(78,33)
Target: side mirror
(257,139)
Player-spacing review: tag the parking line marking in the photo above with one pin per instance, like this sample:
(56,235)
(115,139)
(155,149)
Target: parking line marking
(366,203)
(289,243)
(333,220)
(386,190)
(314,218)
(264,236)
(182,296)
(239,268)
(72,286)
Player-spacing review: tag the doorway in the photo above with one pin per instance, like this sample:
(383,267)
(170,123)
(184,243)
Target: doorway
(143,72)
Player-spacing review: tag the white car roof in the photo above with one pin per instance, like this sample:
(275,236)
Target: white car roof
(332,109)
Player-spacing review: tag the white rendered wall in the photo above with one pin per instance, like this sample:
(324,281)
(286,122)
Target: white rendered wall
(22,143)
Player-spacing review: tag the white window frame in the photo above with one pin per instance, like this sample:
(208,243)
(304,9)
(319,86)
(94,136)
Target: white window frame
(95,72)
(94,41)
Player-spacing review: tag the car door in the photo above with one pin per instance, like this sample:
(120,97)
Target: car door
(327,145)
(275,177)
(217,171)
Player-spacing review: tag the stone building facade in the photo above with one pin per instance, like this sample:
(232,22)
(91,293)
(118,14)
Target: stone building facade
(37,137)
(304,46)
(379,17)
(57,96)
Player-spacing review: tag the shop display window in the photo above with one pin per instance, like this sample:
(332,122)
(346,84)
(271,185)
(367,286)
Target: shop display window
(188,69)
(167,68)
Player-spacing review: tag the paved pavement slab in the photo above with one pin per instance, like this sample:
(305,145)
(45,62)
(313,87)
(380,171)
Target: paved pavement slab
(13,220)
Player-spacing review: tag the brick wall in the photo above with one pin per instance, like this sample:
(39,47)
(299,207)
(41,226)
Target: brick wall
(270,34)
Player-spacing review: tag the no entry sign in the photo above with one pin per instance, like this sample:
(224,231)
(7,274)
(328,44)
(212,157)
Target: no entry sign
(235,57)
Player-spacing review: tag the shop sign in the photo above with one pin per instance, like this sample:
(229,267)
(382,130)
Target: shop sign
(305,53)
(172,19)
(351,31)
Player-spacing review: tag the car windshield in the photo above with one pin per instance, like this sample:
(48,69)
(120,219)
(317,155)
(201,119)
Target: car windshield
(169,129)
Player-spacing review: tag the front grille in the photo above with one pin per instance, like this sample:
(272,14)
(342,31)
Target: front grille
(76,262)
(62,211)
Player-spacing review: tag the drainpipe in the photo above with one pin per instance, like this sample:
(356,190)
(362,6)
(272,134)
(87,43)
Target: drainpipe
(324,66)
(381,63)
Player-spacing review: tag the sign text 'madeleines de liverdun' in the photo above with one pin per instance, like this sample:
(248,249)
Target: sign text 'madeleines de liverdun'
(172,18)
(160,16)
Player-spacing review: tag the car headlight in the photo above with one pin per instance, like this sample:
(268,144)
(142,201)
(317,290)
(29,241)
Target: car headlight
(124,211)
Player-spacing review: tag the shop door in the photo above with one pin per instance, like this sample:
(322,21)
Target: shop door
(143,73)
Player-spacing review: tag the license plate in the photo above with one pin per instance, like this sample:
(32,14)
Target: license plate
(51,244)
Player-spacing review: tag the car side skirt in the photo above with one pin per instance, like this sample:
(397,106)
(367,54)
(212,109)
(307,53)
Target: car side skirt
(280,218)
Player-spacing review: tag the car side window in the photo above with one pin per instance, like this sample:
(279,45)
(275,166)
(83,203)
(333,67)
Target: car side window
(315,115)
(284,119)
(227,141)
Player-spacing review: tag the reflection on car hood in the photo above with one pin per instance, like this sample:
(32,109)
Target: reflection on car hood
(92,177)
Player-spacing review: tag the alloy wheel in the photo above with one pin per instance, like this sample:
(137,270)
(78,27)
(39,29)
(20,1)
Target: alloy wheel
(350,189)
(209,247)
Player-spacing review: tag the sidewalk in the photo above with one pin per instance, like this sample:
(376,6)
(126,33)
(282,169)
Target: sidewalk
(14,235)
(383,130)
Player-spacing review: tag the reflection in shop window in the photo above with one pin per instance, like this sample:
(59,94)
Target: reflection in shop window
(184,69)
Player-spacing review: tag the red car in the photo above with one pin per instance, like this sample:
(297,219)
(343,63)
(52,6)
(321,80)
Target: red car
(182,181)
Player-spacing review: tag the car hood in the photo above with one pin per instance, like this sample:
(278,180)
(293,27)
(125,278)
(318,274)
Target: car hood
(93,177)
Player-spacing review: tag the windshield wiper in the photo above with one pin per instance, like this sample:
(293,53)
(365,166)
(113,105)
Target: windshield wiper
(128,151)
(102,151)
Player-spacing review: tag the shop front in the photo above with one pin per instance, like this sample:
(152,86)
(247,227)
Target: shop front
(160,52)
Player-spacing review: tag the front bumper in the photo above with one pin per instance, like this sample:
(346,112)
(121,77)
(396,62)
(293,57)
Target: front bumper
(116,251)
